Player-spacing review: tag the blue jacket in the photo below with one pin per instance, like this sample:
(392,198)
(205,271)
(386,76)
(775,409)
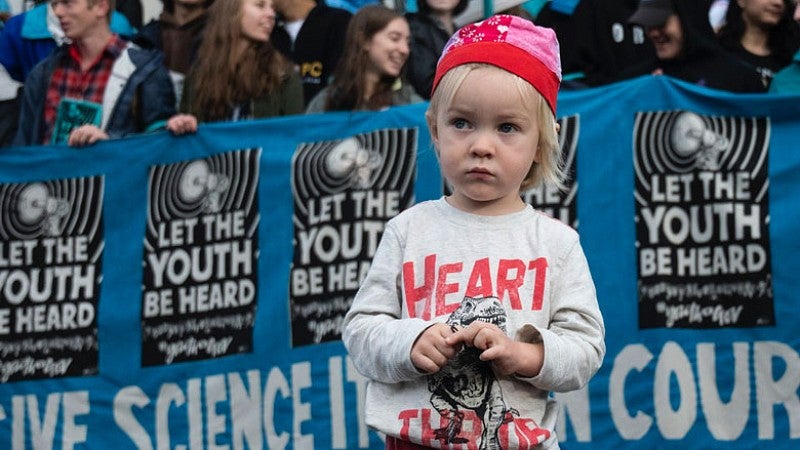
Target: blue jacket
(25,40)
(145,99)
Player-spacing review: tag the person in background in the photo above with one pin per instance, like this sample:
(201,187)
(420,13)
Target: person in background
(33,35)
(472,355)
(26,39)
(9,105)
(519,11)
(604,42)
(787,80)
(238,74)
(132,9)
(559,16)
(311,34)
(177,33)
(761,33)
(99,86)
(369,75)
(431,26)
(686,48)
(5,13)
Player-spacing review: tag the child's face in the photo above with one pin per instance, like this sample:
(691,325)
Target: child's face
(487,140)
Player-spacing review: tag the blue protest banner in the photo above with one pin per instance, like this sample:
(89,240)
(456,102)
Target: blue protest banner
(187,292)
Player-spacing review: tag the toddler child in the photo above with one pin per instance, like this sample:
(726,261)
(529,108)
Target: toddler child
(476,306)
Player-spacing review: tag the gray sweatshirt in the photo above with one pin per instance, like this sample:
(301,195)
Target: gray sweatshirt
(526,273)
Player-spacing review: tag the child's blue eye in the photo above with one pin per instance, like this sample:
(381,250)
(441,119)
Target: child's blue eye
(459,123)
(507,128)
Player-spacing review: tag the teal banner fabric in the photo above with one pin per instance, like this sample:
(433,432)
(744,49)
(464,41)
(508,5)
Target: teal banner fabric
(162,292)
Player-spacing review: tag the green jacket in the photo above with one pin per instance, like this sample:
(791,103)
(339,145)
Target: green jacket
(403,95)
(285,101)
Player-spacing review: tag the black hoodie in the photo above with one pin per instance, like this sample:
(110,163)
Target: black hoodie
(703,61)
(318,46)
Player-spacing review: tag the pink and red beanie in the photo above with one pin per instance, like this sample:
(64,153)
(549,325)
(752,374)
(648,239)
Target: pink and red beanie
(510,43)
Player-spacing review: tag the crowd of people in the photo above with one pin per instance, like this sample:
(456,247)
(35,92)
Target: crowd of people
(76,71)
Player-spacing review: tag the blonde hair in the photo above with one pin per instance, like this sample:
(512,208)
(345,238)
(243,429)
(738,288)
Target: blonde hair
(549,169)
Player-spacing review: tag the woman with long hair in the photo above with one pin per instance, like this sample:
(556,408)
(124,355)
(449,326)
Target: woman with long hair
(369,73)
(761,33)
(238,74)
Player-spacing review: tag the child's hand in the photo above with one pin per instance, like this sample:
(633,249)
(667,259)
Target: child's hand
(507,356)
(431,352)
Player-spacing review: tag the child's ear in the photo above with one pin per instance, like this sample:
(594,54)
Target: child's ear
(431,119)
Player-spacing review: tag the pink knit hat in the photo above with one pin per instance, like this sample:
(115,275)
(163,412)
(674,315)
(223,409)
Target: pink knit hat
(510,43)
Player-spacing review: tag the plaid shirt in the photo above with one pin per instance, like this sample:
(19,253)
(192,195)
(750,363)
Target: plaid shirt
(68,81)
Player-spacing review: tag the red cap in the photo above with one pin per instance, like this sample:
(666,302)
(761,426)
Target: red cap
(512,44)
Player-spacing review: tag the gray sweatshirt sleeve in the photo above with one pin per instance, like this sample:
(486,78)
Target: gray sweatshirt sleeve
(574,343)
(376,336)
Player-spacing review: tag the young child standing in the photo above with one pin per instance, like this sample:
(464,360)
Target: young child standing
(477,306)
